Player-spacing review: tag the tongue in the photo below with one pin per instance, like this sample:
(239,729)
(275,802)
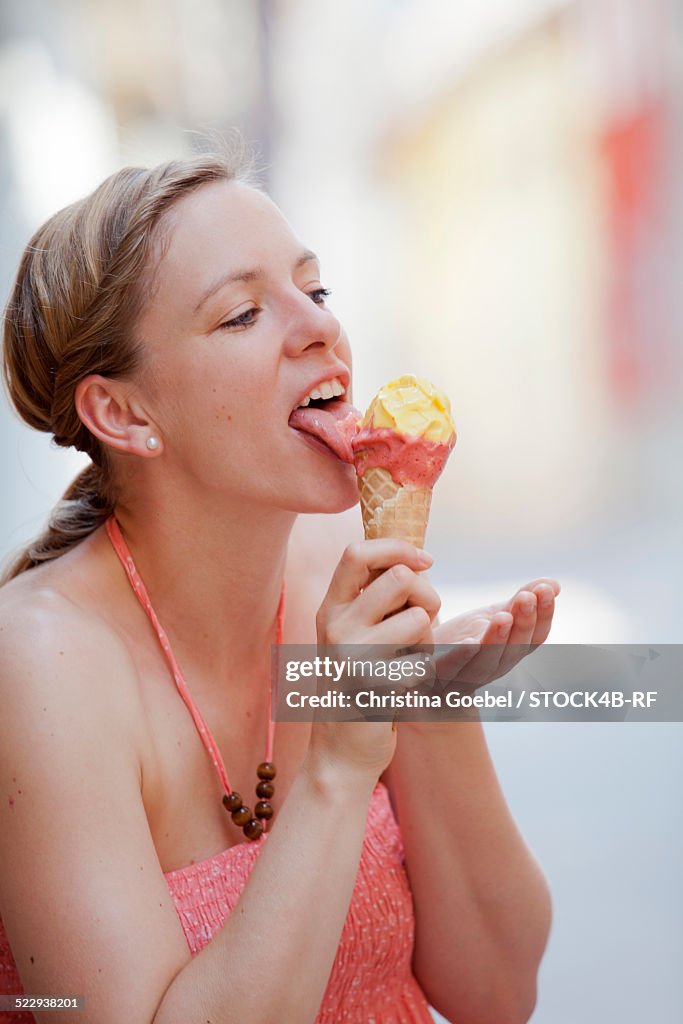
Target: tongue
(335,424)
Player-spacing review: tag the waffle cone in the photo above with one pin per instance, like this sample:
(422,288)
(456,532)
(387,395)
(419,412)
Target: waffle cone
(390,510)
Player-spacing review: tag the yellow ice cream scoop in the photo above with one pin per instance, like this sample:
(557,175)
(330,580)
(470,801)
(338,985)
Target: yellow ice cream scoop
(411,405)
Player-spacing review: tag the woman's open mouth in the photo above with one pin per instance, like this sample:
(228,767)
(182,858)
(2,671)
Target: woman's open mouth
(327,421)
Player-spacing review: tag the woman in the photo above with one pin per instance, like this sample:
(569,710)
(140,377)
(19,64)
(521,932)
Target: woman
(168,325)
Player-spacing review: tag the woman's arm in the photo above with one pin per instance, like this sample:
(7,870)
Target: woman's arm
(482,904)
(482,907)
(82,895)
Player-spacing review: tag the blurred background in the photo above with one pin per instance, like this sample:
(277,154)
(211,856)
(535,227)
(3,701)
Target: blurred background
(496,191)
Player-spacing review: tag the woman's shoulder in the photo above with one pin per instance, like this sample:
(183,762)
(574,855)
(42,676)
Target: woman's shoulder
(74,836)
(70,592)
(34,612)
(57,646)
(49,600)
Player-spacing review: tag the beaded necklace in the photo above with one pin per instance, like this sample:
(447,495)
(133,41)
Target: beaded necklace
(253,825)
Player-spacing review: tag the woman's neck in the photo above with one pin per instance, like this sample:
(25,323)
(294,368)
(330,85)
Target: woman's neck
(214,578)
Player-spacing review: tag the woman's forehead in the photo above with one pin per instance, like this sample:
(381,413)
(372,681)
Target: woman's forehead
(225,216)
(223,227)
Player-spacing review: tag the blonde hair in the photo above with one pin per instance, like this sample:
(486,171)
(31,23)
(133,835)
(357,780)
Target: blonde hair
(79,290)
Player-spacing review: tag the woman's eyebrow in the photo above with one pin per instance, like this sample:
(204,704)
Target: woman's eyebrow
(246,275)
(229,278)
(306,257)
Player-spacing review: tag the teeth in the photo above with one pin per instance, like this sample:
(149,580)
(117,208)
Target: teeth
(327,389)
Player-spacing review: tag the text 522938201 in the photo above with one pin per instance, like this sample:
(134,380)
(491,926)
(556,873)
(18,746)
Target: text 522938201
(48,1002)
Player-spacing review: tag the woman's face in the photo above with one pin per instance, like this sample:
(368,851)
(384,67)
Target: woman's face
(235,334)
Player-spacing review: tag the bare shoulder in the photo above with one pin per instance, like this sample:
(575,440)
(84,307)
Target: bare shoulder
(56,649)
(68,686)
(316,545)
(82,897)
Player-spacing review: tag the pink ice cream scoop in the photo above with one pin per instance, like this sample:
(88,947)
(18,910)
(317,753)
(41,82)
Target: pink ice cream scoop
(399,453)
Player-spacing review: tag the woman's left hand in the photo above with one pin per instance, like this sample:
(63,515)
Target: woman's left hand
(493,639)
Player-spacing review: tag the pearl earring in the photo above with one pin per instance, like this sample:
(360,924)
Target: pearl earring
(152,443)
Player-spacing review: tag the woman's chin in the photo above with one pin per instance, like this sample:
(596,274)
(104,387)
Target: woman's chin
(331,496)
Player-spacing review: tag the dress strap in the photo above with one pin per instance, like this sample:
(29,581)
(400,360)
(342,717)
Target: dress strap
(140,591)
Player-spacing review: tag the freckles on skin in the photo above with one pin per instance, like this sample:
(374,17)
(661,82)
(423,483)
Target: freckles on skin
(228,417)
(221,396)
(182,356)
(11,798)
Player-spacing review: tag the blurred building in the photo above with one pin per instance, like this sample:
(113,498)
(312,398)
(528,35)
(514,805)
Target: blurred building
(513,235)
(495,192)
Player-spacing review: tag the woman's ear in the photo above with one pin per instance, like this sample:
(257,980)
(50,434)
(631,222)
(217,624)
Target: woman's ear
(110,411)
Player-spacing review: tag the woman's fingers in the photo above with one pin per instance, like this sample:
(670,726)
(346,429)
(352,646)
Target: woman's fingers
(359,600)
(364,558)
(396,587)
(542,581)
(523,609)
(492,649)
(524,613)
(545,597)
(450,660)
(532,612)
(404,629)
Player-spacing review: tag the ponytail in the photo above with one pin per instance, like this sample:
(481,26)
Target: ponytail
(84,506)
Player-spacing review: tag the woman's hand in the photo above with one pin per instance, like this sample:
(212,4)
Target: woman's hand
(495,638)
(376,597)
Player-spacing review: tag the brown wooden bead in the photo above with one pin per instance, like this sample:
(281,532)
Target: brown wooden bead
(265,790)
(232,801)
(266,770)
(263,810)
(241,816)
(253,829)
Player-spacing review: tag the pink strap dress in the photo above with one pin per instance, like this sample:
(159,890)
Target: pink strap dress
(371,981)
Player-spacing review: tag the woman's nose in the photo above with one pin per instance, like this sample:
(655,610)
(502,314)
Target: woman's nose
(312,326)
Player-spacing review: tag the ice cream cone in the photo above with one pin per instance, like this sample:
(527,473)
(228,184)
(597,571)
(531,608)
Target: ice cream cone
(390,510)
(399,450)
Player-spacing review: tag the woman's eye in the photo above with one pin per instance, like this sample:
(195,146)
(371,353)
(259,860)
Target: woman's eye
(249,317)
(243,320)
